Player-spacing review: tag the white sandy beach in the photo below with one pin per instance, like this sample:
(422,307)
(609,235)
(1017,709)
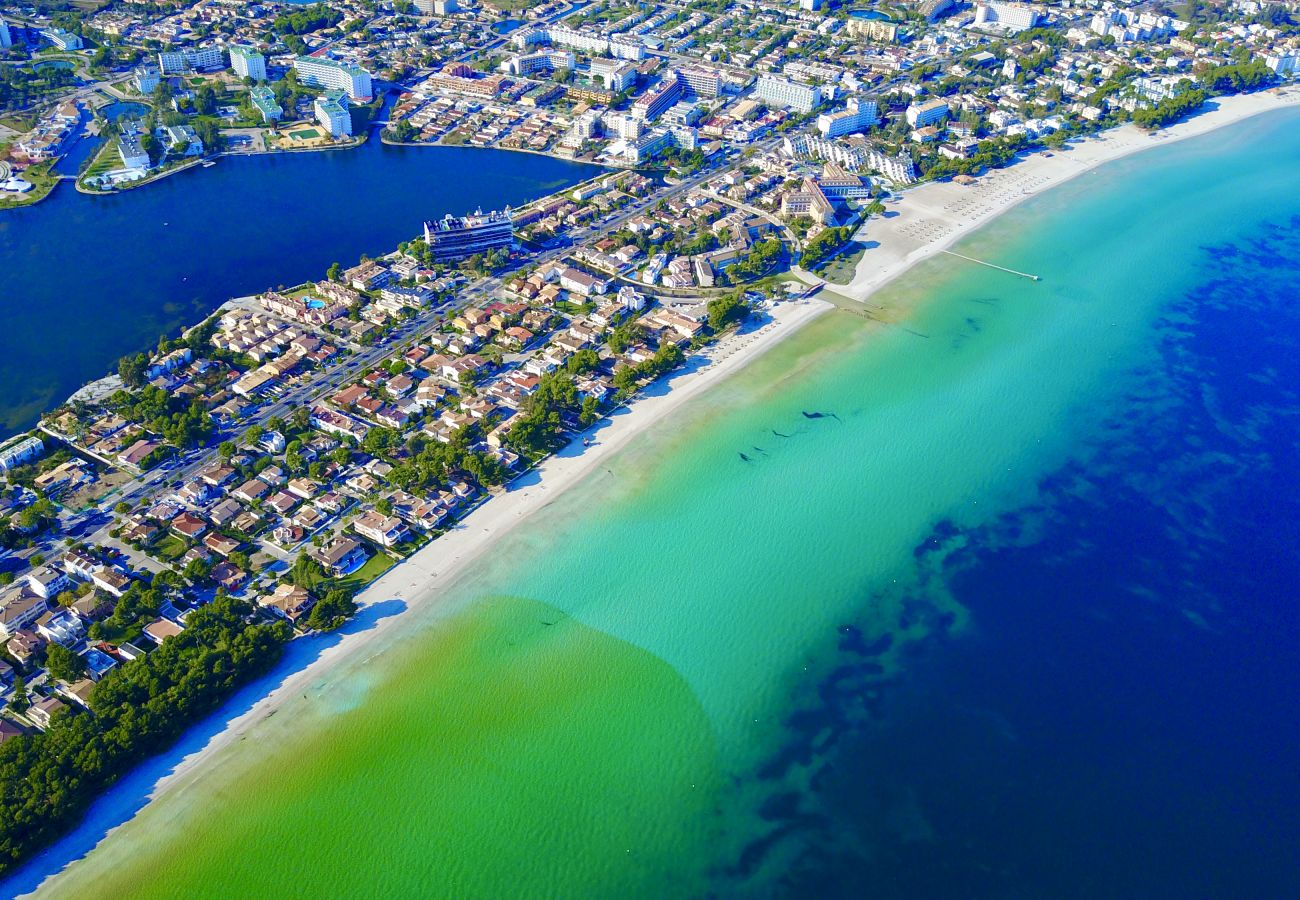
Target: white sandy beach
(931,217)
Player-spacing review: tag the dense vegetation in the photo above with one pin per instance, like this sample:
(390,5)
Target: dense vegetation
(537,430)
(991,154)
(1169,110)
(666,358)
(761,258)
(1234,79)
(48,780)
(827,241)
(428,463)
(181,423)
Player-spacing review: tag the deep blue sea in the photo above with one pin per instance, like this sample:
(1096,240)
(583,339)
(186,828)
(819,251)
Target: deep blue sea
(88,279)
(1121,716)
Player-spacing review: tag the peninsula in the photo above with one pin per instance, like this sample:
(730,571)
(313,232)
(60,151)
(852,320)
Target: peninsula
(314,448)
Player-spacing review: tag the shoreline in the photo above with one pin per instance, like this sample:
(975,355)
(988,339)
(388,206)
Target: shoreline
(933,216)
(427,574)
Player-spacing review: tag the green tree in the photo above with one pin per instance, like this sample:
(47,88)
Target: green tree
(19,701)
(331,610)
(131,369)
(63,664)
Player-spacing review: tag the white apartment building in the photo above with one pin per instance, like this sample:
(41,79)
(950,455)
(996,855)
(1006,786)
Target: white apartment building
(332,75)
(790,94)
(858,115)
(919,115)
(1011,17)
(174,62)
(332,113)
(248,63)
(540,61)
(146,79)
(19,450)
(702,81)
(615,74)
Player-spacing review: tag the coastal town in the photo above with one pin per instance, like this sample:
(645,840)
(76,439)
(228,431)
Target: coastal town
(170,527)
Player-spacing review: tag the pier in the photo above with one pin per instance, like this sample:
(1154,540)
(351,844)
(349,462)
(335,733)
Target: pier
(993,266)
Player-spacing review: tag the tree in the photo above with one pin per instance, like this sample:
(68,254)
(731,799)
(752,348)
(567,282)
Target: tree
(19,702)
(131,369)
(306,572)
(63,664)
(332,610)
(334,272)
(226,449)
(725,310)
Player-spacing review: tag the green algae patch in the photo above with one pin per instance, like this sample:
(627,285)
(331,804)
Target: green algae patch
(512,752)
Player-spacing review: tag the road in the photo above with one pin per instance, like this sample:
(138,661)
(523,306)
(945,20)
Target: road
(93,525)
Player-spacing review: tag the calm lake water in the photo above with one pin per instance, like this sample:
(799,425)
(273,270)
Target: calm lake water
(88,279)
(994,601)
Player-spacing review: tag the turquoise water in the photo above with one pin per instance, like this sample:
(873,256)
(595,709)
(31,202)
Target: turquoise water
(990,597)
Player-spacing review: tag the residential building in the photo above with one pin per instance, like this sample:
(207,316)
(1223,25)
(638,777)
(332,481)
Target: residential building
(437,7)
(341,556)
(540,61)
(6,40)
(19,608)
(131,151)
(182,140)
(701,80)
(654,101)
(332,113)
(858,115)
(1012,17)
(289,601)
(457,237)
(615,74)
(64,40)
(42,712)
(387,531)
(919,115)
(783,92)
(47,581)
(263,99)
(873,29)
(146,79)
(808,201)
(176,62)
(248,63)
(18,450)
(327,73)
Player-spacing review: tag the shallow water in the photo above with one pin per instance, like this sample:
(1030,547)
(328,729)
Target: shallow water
(997,602)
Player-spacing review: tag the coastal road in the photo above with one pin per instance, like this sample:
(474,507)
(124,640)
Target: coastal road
(334,376)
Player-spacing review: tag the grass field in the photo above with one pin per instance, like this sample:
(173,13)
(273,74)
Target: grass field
(108,159)
(375,566)
(839,268)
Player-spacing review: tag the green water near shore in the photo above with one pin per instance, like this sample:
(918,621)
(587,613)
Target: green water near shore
(592,718)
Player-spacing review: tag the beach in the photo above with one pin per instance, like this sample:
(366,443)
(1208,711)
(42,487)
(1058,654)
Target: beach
(431,571)
(930,218)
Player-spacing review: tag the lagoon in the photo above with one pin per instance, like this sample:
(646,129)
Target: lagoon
(87,279)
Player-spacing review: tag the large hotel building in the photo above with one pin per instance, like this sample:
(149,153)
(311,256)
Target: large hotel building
(455,238)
